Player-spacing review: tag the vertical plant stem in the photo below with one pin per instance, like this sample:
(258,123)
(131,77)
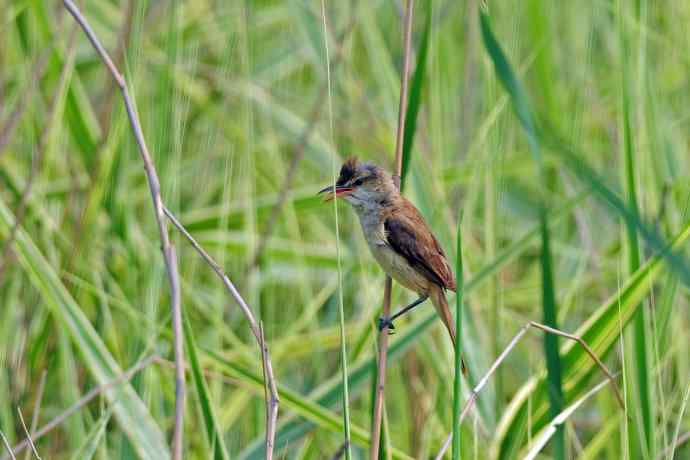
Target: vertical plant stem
(457,395)
(383,335)
(341,310)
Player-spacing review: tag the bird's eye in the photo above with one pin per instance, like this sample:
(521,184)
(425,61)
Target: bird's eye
(357,183)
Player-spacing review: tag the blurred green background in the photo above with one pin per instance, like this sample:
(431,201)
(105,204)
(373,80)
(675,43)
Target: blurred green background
(233,99)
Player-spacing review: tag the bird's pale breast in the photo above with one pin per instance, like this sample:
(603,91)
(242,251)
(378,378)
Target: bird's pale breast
(399,269)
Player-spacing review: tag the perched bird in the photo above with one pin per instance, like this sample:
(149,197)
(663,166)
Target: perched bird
(398,237)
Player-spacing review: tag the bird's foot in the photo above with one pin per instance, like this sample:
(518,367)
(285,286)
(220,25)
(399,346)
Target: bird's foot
(386,323)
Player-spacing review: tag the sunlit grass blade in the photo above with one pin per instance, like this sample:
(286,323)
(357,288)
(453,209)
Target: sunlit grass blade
(457,394)
(415,99)
(134,418)
(552,428)
(600,331)
(214,433)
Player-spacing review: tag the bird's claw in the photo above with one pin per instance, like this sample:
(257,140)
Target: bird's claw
(386,323)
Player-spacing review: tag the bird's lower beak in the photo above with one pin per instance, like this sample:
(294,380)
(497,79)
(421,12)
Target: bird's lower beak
(334,192)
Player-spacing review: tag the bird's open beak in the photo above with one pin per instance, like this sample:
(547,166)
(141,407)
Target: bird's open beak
(334,192)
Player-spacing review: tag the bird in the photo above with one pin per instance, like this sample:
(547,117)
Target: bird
(398,237)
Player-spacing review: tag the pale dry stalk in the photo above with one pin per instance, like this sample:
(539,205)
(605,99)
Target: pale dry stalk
(383,335)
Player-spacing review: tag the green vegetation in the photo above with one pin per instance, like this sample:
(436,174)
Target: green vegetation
(559,129)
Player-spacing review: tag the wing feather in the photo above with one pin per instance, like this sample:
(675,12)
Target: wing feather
(408,235)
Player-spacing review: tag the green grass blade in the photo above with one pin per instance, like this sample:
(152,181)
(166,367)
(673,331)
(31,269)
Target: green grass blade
(640,442)
(511,84)
(574,160)
(415,98)
(600,331)
(93,439)
(457,395)
(133,416)
(553,361)
(214,433)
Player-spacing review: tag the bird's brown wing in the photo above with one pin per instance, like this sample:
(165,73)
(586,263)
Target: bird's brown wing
(408,235)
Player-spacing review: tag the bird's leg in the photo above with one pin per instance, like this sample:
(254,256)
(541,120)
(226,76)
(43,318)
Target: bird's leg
(388,322)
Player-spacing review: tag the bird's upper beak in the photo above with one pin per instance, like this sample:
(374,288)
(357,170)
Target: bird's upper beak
(334,192)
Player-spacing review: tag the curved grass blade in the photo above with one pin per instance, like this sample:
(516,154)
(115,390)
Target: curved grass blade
(600,331)
(574,160)
(134,418)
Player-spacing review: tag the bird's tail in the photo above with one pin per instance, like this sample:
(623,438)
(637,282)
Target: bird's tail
(438,298)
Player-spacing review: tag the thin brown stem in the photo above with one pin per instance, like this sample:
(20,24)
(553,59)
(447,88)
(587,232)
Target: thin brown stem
(272,400)
(589,351)
(474,394)
(83,401)
(383,335)
(166,247)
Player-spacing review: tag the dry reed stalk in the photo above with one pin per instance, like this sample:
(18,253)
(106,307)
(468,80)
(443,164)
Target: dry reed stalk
(383,335)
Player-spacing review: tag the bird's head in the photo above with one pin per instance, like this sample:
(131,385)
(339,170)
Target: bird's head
(361,184)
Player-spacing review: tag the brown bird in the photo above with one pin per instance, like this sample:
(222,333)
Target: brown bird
(398,237)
